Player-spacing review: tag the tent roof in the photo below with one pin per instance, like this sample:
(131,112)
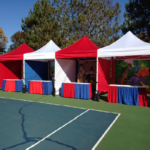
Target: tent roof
(80,49)
(46,52)
(16,54)
(127,45)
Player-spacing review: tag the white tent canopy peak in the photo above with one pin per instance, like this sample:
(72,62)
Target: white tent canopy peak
(45,52)
(127,45)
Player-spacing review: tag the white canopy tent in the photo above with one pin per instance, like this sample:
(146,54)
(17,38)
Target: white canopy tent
(127,45)
(47,52)
(44,54)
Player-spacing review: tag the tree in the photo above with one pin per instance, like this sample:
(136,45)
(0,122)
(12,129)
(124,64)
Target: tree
(15,40)
(144,37)
(66,21)
(137,17)
(3,40)
(97,19)
(40,26)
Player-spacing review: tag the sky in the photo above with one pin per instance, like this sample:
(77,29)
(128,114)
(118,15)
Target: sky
(13,11)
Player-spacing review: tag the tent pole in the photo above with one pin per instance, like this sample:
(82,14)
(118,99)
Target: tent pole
(96,94)
(111,69)
(54,75)
(24,71)
(97,73)
(48,70)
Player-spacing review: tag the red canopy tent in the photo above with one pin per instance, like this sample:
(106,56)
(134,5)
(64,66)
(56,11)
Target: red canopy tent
(81,49)
(65,63)
(11,64)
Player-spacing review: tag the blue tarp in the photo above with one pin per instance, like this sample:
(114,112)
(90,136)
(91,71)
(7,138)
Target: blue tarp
(35,70)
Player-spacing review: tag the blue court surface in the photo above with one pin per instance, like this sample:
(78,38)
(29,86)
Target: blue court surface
(28,125)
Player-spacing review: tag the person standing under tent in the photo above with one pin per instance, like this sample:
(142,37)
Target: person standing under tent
(81,74)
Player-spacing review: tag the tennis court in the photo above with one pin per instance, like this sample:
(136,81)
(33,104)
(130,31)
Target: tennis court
(33,125)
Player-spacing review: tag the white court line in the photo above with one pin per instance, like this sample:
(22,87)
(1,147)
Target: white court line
(60,105)
(57,130)
(105,133)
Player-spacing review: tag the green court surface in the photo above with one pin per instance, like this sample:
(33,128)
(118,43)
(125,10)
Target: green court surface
(130,131)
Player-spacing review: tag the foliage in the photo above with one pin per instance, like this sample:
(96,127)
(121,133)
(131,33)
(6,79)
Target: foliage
(98,20)
(40,26)
(144,37)
(66,21)
(3,40)
(15,40)
(137,17)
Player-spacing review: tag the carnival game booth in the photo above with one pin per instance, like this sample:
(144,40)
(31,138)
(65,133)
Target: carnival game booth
(11,69)
(129,73)
(39,66)
(76,63)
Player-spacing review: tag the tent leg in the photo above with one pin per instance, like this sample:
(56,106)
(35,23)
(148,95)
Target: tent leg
(24,72)
(48,70)
(96,93)
(111,70)
(96,73)
(54,75)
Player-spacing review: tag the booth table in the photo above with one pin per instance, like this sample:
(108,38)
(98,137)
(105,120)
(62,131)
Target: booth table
(76,90)
(126,94)
(40,87)
(12,85)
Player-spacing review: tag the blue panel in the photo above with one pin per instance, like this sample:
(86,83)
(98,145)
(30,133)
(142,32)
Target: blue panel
(77,91)
(128,96)
(28,86)
(119,95)
(47,88)
(62,90)
(136,96)
(82,91)
(35,70)
(3,86)
(85,91)
(18,85)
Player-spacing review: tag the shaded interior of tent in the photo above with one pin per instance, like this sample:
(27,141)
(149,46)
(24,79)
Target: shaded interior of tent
(11,70)
(133,71)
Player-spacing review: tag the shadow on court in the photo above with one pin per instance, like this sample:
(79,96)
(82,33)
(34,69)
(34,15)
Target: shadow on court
(29,122)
